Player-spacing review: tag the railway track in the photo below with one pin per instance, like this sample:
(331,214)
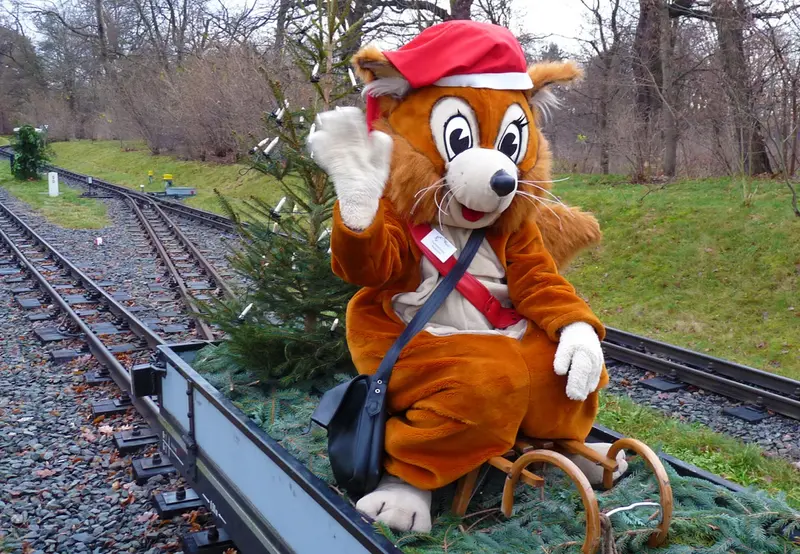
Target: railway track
(762,390)
(92,317)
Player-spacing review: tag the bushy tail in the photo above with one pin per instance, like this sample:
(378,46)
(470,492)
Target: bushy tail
(566,231)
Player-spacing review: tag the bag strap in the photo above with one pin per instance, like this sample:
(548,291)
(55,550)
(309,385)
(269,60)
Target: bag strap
(380,379)
(473,290)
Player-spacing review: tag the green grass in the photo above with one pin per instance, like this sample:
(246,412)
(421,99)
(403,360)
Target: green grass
(67,209)
(696,444)
(4,141)
(692,266)
(128,163)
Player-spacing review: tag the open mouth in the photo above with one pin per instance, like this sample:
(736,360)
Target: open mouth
(471,215)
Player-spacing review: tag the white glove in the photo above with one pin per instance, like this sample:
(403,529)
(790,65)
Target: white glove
(357,162)
(580,354)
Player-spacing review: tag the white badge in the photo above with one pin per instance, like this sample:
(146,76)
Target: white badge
(439,245)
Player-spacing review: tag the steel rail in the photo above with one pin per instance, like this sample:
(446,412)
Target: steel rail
(201,326)
(136,325)
(748,375)
(134,196)
(159,207)
(145,406)
(708,381)
(207,266)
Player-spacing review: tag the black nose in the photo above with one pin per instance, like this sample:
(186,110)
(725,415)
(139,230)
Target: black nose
(502,183)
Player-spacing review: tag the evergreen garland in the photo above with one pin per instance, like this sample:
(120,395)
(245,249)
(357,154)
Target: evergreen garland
(707,519)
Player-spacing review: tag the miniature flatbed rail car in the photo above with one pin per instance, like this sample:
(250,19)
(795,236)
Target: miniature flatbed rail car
(255,488)
(173,191)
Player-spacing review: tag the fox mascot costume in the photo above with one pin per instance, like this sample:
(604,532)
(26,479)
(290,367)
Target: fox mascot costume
(450,143)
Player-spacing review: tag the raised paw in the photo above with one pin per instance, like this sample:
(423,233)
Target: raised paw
(594,472)
(398,505)
(357,162)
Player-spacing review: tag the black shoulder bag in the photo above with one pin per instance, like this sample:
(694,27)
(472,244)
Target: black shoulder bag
(354,413)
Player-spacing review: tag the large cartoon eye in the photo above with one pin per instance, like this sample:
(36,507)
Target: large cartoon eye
(457,135)
(454,127)
(513,137)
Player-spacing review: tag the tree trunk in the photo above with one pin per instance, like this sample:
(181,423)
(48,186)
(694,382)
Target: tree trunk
(647,59)
(280,25)
(605,148)
(460,9)
(357,11)
(730,22)
(667,40)
(101,34)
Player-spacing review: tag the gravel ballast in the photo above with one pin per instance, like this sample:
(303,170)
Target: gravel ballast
(777,435)
(63,487)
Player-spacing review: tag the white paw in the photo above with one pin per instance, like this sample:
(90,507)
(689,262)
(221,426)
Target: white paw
(594,472)
(398,505)
(357,162)
(579,353)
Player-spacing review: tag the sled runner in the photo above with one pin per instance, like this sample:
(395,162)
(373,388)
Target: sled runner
(527,452)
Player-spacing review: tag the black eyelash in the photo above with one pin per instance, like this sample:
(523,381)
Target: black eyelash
(522,122)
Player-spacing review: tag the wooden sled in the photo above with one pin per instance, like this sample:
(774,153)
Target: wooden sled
(530,451)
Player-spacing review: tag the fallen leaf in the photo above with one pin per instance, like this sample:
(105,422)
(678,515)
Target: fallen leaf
(44,472)
(145,517)
(98,419)
(106,430)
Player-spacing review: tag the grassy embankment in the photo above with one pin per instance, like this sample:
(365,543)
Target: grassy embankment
(67,209)
(689,264)
(692,266)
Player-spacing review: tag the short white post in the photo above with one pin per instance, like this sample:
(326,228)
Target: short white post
(52,181)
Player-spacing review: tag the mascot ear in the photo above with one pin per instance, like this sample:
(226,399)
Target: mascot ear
(544,75)
(380,76)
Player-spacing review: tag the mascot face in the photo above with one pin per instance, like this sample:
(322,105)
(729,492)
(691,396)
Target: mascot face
(477,144)
(465,157)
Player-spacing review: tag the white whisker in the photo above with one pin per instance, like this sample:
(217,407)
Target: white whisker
(532,197)
(435,187)
(540,199)
(453,191)
(544,190)
(551,181)
(428,188)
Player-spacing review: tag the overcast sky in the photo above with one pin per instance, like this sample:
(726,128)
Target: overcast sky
(562,18)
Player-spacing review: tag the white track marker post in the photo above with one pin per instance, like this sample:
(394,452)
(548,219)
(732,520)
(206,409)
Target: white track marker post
(52,183)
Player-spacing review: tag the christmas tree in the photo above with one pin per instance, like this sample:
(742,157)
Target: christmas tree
(289,323)
(31,153)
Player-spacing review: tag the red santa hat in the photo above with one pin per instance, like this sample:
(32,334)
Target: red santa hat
(457,53)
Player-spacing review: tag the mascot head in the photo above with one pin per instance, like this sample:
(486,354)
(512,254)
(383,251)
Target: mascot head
(463,110)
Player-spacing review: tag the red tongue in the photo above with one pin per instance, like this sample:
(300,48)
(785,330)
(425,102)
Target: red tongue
(471,215)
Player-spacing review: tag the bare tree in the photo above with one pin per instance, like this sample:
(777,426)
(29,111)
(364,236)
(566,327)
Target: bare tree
(606,47)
